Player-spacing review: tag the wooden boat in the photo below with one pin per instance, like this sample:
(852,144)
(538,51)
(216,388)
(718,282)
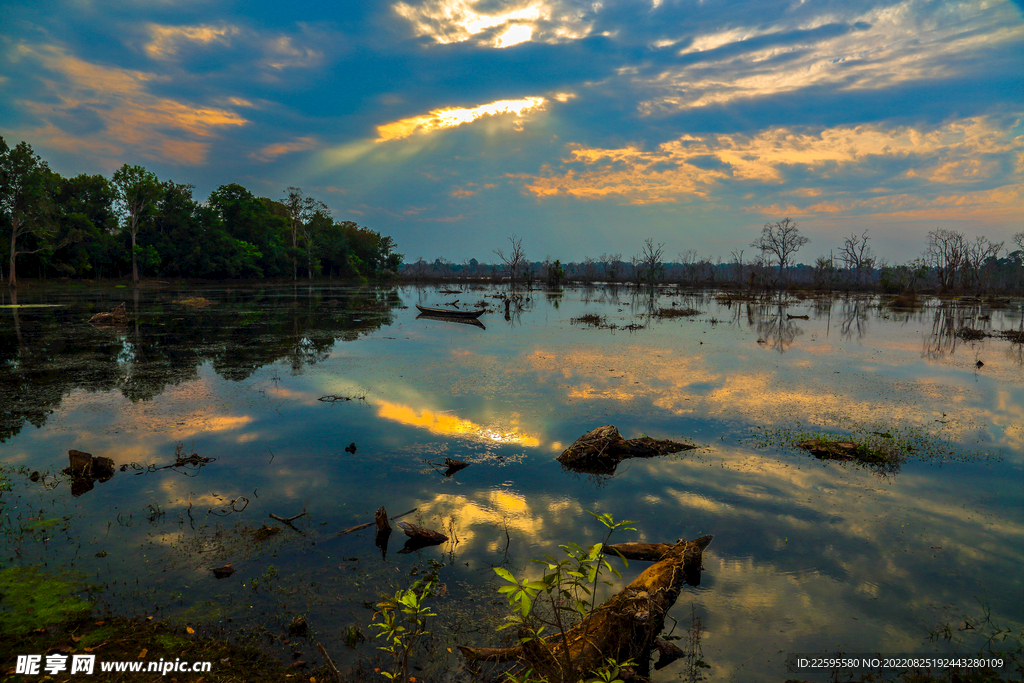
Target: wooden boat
(449,313)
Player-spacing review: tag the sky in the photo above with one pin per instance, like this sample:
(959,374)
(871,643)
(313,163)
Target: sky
(583,127)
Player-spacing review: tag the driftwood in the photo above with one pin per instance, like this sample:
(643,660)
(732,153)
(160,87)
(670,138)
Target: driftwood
(600,450)
(117,316)
(359,527)
(419,537)
(797,317)
(625,627)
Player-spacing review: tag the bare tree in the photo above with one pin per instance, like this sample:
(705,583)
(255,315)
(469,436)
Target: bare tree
(1019,239)
(947,254)
(856,255)
(649,260)
(515,261)
(780,240)
(981,253)
(737,265)
(611,262)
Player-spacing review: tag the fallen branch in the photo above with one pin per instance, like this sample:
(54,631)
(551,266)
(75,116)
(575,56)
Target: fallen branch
(330,664)
(288,520)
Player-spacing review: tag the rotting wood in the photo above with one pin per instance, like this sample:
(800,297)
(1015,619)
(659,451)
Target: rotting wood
(359,527)
(422,533)
(381,519)
(625,627)
(600,450)
(116,316)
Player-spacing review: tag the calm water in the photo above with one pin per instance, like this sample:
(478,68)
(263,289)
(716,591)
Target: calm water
(808,556)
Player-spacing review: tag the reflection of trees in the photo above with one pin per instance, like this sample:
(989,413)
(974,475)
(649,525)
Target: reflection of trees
(773,327)
(947,320)
(853,313)
(49,352)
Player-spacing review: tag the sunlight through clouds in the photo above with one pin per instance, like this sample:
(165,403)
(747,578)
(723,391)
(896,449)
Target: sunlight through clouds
(456,21)
(455,116)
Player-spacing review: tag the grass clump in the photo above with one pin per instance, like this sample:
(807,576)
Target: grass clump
(674,312)
(592,319)
(194,302)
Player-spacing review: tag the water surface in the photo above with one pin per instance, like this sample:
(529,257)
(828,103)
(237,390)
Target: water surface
(808,556)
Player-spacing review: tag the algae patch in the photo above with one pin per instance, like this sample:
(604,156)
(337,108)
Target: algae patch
(31,599)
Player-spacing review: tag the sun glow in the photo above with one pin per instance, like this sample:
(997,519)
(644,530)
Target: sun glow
(454,116)
(450,425)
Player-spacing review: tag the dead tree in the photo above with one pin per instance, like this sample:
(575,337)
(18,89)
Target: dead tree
(515,261)
(780,240)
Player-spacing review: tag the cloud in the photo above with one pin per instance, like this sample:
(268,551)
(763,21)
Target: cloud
(512,23)
(271,152)
(120,102)
(879,48)
(168,41)
(455,116)
(944,165)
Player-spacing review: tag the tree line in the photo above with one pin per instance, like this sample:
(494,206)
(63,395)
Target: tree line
(89,226)
(950,263)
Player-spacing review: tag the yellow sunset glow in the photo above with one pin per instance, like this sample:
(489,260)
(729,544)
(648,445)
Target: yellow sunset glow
(450,425)
(455,116)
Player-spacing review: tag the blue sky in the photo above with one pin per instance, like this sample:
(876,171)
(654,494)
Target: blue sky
(585,127)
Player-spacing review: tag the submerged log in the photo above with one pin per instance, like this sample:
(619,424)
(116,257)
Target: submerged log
(419,537)
(624,627)
(843,451)
(600,450)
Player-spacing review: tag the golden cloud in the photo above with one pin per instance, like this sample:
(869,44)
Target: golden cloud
(132,116)
(694,165)
(167,41)
(454,116)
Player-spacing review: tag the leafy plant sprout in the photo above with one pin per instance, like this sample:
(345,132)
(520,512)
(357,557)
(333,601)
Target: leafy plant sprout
(562,598)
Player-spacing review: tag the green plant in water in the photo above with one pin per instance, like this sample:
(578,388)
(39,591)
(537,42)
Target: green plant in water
(404,622)
(562,598)
(31,599)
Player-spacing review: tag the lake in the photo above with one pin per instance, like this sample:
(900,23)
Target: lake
(809,555)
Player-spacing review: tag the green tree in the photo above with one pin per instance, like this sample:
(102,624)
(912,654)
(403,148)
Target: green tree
(137,191)
(260,222)
(27,186)
(85,207)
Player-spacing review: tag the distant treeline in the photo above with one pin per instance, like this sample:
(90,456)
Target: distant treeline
(90,226)
(950,263)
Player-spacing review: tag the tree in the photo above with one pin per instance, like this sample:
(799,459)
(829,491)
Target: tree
(947,254)
(27,186)
(516,259)
(981,253)
(302,212)
(856,255)
(1019,239)
(780,240)
(137,191)
(649,261)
